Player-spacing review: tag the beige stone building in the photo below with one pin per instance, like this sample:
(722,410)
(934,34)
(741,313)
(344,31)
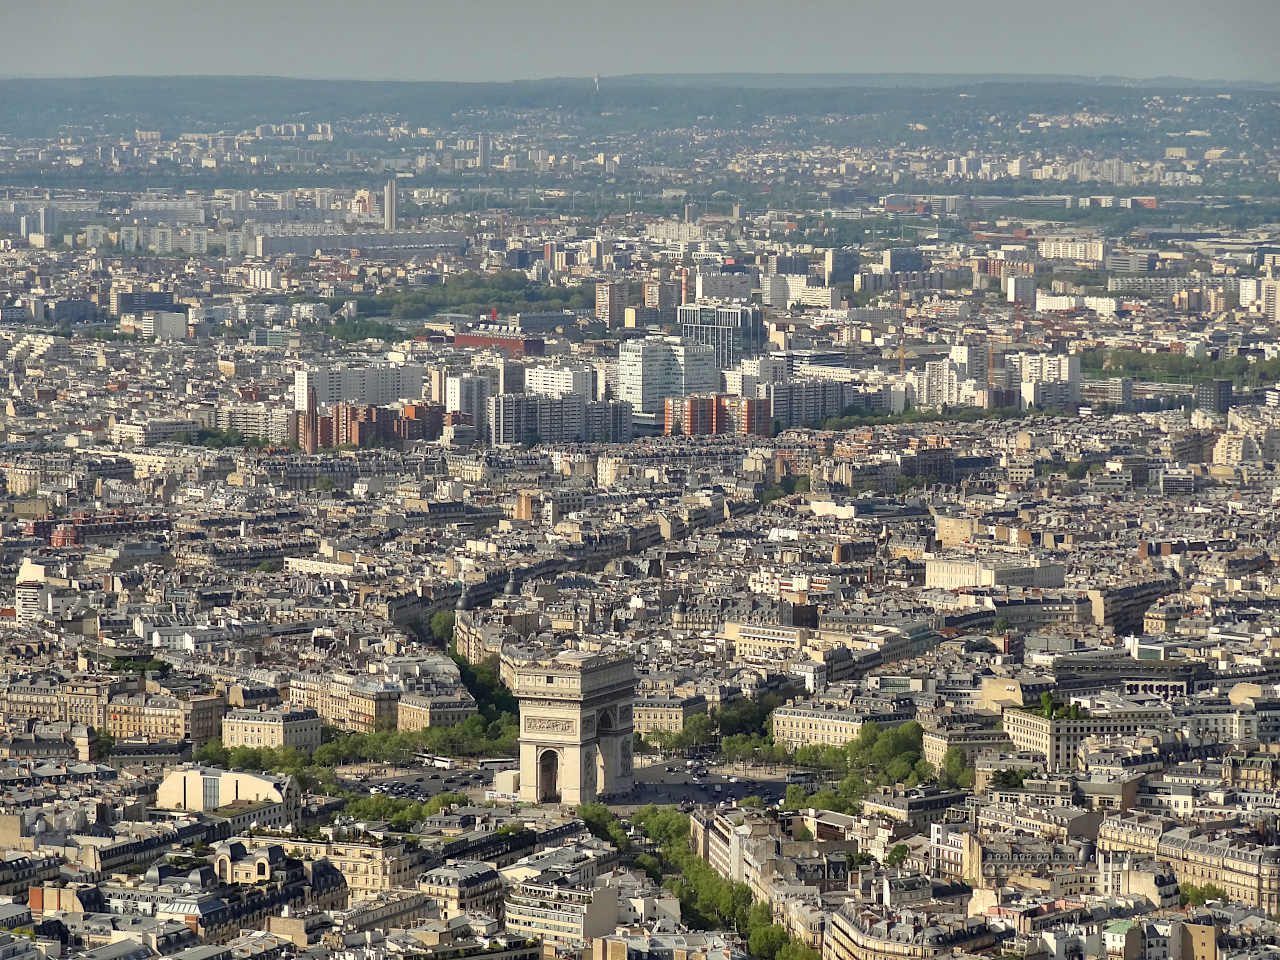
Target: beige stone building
(855,933)
(666,714)
(371,866)
(1249,872)
(358,703)
(272,729)
(1058,740)
(160,717)
(269,801)
(415,712)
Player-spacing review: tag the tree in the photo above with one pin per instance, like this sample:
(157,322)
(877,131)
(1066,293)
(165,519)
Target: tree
(604,825)
(212,754)
(954,763)
(651,865)
(442,628)
(897,855)
(1198,896)
(1001,625)
(1010,779)
(752,801)
(765,942)
(101,744)
(1046,704)
(801,832)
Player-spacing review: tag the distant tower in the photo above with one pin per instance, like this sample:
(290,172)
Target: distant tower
(597,79)
(389,206)
(482,151)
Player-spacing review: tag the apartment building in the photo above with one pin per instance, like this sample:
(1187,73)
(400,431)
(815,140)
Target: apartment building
(1058,739)
(279,727)
(799,725)
(666,714)
(464,886)
(371,865)
(857,933)
(361,704)
(165,718)
(1247,871)
(565,917)
(416,711)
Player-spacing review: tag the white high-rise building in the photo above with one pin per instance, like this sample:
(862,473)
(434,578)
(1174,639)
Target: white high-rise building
(560,379)
(525,418)
(389,211)
(971,359)
(1045,379)
(654,368)
(937,385)
(1268,294)
(377,384)
(468,394)
(1020,288)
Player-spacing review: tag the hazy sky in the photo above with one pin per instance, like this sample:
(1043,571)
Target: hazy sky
(515,39)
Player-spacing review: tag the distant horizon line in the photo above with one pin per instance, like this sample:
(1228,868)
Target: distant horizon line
(707,75)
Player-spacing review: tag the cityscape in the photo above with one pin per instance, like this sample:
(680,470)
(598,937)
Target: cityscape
(640,516)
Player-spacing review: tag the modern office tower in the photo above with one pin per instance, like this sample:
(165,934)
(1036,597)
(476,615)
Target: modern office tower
(1020,288)
(482,151)
(654,368)
(902,259)
(733,332)
(467,394)
(1214,395)
(136,301)
(611,301)
(389,211)
(774,263)
(560,379)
